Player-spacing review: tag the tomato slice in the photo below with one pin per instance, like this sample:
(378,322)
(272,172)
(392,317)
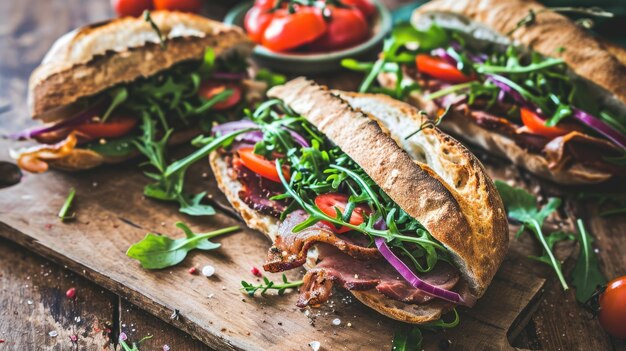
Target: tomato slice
(115,127)
(537,125)
(440,69)
(347,27)
(288,31)
(209,89)
(327,204)
(259,165)
(256,21)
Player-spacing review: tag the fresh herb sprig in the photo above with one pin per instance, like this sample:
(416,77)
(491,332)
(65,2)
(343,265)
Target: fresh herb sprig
(63,213)
(159,251)
(522,206)
(586,276)
(267,284)
(410,338)
(135,345)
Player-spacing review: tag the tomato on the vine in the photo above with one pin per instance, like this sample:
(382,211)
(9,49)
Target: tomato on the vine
(288,31)
(347,27)
(114,127)
(261,166)
(537,125)
(612,301)
(331,202)
(208,89)
(440,69)
(256,21)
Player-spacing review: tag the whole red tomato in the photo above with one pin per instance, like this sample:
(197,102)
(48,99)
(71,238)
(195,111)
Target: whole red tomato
(134,8)
(612,315)
(347,27)
(367,8)
(288,31)
(179,5)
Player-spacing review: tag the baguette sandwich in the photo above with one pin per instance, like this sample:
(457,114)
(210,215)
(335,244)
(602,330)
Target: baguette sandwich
(520,81)
(109,90)
(411,227)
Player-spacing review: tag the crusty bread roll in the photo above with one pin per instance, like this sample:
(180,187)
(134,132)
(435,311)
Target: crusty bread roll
(430,176)
(601,64)
(93,58)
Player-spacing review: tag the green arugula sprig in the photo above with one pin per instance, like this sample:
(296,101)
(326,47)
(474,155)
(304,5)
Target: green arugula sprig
(522,206)
(159,251)
(267,284)
(409,337)
(63,213)
(586,276)
(135,345)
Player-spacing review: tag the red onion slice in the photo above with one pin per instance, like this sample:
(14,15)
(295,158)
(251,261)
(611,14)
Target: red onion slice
(77,119)
(297,138)
(599,126)
(413,279)
(229,127)
(229,75)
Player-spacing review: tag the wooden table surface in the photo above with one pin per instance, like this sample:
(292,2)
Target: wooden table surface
(34,312)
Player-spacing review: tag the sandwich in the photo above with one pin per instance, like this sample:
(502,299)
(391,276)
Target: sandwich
(412,227)
(518,80)
(113,90)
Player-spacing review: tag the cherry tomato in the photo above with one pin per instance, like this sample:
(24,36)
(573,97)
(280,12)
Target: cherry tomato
(327,204)
(347,27)
(134,8)
(440,69)
(114,127)
(259,165)
(613,308)
(537,125)
(256,21)
(288,31)
(179,5)
(367,8)
(209,89)
(265,4)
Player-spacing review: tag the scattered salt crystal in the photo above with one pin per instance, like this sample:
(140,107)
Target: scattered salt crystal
(315,345)
(123,336)
(53,334)
(208,270)
(166,347)
(336,321)
(211,296)
(94,184)
(349,324)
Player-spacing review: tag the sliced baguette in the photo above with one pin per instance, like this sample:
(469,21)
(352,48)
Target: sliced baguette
(477,241)
(94,58)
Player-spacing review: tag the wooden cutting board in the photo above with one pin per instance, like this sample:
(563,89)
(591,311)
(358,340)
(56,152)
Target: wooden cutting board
(112,214)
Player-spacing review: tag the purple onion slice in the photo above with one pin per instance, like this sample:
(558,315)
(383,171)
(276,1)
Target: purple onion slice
(229,127)
(599,126)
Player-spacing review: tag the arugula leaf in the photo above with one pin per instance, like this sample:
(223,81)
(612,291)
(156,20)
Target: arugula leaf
(586,275)
(407,338)
(269,77)
(193,207)
(66,206)
(159,251)
(267,284)
(522,206)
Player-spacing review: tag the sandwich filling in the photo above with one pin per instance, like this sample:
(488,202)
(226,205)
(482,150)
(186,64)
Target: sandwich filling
(333,217)
(534,100)
(184,99)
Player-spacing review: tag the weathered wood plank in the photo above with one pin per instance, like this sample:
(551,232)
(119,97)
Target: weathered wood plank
(36,314)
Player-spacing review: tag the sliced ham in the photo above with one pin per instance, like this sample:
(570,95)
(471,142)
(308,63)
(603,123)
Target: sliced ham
(290,249)
(352,274)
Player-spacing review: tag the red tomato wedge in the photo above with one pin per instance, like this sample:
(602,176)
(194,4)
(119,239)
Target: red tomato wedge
(114,127)
(612,315)
(327,204)
(256,21)
(537,125)
(179,5)
(440,69)
(209,89)
(288,31)
(347,27)
(259,165)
